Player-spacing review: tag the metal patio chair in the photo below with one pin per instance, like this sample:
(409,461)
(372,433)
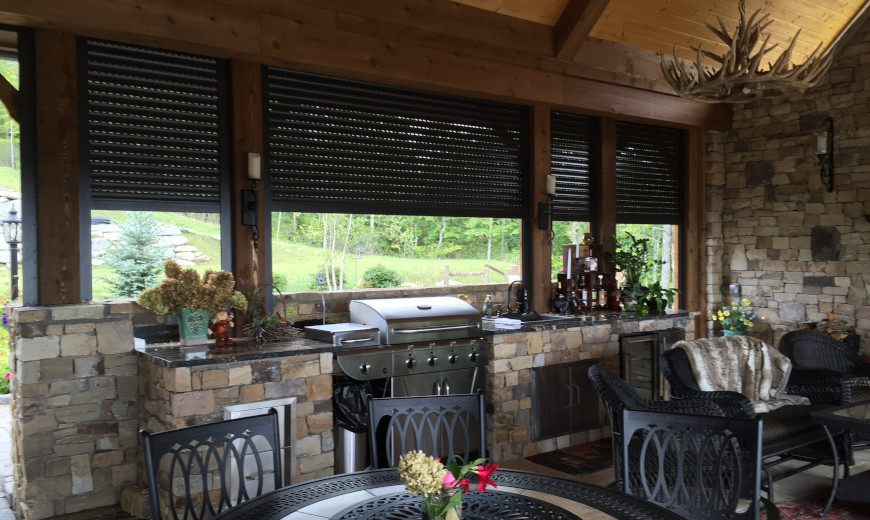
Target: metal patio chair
(700,467)
(197,472)
(442,426)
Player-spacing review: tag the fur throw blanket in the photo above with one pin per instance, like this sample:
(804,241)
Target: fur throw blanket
(742,364)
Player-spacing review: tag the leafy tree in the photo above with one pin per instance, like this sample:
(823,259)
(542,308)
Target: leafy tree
(135,257)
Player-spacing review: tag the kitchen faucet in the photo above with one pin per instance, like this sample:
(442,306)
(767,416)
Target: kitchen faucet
(522,298)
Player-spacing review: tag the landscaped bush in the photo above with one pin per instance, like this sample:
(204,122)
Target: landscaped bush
(380,277)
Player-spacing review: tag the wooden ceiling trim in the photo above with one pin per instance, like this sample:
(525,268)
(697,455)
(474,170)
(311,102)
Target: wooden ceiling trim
(206,23)
(442,18)
(644,106)
(373,59)
(598,60)
(574,26)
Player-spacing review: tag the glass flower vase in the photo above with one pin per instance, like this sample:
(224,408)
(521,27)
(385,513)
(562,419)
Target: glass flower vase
(433,508)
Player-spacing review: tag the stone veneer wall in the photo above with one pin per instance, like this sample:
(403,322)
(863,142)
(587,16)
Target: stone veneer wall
(797,251)
(509,385)
(177,397)
(75,412)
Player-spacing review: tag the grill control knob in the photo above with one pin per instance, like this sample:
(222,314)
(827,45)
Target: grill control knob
(365,368)
(433,360)
(410,362)
(452,359)
(472,357)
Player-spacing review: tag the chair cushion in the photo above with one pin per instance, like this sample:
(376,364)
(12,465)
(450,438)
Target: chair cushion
(860,394)
(789,422)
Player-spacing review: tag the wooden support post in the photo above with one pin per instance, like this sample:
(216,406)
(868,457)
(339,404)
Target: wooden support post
(57,168)
(247,124)
(605,195)
(694,268)
(539,145)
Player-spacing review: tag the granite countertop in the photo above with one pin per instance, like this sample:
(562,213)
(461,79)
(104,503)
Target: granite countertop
(173,354)
(593,318)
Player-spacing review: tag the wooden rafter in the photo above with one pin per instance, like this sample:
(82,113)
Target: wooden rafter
(574,26)
(9,98)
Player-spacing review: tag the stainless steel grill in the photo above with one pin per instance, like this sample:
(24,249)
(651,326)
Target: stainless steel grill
(427,346)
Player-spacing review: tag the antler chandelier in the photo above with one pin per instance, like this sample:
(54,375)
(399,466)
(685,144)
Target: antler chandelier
(740,77)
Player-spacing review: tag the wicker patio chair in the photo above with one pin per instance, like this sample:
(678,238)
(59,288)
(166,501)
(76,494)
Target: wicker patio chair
(818,358)
(618,395)
(440,425)
(699,467)
(827,370)
(195,473)
(788,434)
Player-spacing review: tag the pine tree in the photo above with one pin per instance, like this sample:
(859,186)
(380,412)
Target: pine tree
(135,257)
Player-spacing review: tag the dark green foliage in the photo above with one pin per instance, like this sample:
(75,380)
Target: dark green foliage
(280,282)
(380,277)
(135,257)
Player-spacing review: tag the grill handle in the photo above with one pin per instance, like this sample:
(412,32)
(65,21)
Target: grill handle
(435,329)
(354,340)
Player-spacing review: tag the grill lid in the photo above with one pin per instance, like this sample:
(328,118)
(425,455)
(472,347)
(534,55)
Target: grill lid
(406,320)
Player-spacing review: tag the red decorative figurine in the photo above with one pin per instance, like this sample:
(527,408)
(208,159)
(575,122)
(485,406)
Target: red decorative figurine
(221,327)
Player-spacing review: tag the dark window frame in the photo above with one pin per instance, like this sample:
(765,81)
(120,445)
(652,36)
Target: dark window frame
(180,113)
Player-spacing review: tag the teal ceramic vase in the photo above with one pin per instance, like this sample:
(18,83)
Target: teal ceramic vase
(193,326)
(733,332)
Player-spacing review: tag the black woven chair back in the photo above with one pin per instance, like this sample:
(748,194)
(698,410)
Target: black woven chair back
(440,425)
(677,369)
(616,395)
(701,468)
(813,350)
(195,473)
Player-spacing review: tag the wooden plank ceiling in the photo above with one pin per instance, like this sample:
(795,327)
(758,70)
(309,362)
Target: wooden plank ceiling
(660,25)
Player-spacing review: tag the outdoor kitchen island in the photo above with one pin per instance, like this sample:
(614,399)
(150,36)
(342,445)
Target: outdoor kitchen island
(181,386)
(515,353)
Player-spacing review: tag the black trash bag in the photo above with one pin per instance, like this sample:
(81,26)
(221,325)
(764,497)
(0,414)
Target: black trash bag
(349,410)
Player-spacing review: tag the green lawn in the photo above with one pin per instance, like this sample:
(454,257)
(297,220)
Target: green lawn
(10,178)
(299,263)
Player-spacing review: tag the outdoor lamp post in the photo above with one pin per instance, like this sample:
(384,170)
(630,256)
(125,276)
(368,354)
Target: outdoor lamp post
(12,234)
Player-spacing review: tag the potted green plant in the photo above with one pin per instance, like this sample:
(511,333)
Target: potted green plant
(632,259)
(192,299)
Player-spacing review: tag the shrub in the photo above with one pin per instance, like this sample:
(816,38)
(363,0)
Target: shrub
(380,277)
(135,257)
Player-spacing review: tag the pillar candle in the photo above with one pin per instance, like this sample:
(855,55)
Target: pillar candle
(254,166)
(551,184)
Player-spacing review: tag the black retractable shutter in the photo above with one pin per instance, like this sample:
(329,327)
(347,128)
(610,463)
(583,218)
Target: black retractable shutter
(571,145)
(649,174)
(341,145)
(152,127)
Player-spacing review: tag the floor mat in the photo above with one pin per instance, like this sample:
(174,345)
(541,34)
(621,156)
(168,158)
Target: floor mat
(578,460)
(808,508)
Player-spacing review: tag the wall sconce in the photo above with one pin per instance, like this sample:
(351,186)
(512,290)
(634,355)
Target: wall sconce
(825,153)
(545,209)
(250,203)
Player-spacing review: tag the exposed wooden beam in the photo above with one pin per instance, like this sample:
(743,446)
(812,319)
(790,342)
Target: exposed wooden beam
(298,35)
(574,26)
(9,98)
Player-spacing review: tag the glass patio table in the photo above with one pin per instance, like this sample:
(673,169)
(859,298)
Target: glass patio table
(379,494)
(850,417)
